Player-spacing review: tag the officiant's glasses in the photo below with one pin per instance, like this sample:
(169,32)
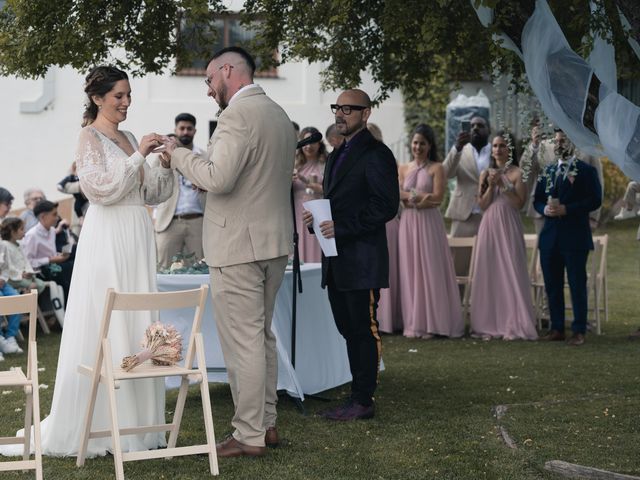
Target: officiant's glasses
(346,109)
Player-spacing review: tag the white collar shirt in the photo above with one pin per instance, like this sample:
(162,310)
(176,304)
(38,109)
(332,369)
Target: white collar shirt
(39,245)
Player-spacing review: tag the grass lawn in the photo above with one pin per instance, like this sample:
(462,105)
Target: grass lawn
(435,406)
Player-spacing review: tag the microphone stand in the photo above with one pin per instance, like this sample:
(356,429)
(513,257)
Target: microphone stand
(296,278)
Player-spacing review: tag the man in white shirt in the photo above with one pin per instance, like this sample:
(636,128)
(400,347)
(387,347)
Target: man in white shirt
(466,160)
(178,222)
(39,246)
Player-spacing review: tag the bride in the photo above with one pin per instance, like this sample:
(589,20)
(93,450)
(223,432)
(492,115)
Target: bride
(116,250)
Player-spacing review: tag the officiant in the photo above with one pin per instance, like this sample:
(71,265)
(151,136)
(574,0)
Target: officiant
(361,183)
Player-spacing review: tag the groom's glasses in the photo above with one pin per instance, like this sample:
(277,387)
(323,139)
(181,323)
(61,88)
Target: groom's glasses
(208,80)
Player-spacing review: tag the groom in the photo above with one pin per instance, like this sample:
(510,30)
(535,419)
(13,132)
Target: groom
(565,194)
(247,236)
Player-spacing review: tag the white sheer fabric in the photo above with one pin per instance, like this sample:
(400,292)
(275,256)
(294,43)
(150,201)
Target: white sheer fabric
(560,80)
(116,250)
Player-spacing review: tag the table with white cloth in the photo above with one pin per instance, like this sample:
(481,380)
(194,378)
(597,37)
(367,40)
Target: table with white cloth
(321,353)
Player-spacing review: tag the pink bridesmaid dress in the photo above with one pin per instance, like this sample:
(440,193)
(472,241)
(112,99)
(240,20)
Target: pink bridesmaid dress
(389,308)
(308,246)
(429,294)
(501,304)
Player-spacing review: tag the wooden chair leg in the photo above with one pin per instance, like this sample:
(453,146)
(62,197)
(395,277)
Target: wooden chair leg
(177,415)
(91,405)
(206,405)
(113,411)
(37,434)
(43,322)
(28,410)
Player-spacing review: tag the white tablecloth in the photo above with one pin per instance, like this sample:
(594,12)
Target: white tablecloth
(321,353)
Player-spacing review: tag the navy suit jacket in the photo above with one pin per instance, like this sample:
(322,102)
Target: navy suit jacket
(364,196)
(580,196)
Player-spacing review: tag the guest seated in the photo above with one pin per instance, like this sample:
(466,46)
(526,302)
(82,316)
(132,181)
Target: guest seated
(8,343)
(6,200)
(39,246)
(19,271)
(32,196)
(71,185)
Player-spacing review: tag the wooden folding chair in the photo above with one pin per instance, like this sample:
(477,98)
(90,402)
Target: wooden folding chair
(27,303)
(535,277)
(104,372)
(464,280)
(597,280)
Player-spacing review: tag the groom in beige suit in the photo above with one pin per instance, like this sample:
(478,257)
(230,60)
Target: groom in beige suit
(466,160)
(247,236)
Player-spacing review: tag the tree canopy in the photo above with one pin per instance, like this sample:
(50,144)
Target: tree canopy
(403,43)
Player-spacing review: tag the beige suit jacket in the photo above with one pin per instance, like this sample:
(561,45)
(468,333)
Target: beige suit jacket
(247,173)
(462,165)
(165,211)
(538,159)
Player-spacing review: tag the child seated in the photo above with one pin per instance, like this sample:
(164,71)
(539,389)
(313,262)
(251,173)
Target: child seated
(8,343)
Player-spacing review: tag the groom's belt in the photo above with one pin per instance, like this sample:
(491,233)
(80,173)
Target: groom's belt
(188,216)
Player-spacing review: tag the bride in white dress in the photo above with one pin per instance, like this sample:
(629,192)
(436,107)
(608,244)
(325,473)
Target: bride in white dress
(116,250)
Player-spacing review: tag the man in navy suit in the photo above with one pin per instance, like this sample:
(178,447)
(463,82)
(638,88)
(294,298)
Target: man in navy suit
(565,194)
(361,181)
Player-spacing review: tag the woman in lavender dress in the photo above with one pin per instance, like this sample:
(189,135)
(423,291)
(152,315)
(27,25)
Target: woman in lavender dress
(428,289)
(501,305)
(307,185)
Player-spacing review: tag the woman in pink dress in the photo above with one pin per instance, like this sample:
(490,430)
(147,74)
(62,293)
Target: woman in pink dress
(501,305)
(308,174)
(389,311)
(429,294)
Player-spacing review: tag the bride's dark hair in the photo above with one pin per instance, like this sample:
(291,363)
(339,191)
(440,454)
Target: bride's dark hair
(99,82)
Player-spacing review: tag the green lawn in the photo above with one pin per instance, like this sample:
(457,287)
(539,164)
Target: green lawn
(434,408)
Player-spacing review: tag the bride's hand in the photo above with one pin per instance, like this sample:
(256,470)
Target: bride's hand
(149,143)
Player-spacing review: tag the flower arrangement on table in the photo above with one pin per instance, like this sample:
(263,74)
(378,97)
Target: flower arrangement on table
(162,344)
(185,263)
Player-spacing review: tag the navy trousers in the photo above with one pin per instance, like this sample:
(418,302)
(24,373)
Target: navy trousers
(553,263)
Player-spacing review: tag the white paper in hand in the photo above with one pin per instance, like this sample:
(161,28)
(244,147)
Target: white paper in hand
(321,211)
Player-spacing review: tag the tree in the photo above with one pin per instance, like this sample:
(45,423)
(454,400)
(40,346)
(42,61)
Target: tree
(396,40)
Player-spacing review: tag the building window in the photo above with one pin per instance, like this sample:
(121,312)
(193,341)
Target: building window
(197,43)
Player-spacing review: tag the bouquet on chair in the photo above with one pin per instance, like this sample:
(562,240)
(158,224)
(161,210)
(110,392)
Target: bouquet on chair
(162,344)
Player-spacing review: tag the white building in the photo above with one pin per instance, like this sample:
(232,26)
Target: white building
(41,119)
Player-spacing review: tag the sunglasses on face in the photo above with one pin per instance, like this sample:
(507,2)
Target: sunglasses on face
(346,109)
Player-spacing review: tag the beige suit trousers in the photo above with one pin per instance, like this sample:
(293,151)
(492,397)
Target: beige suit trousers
(181,236)
(244,296)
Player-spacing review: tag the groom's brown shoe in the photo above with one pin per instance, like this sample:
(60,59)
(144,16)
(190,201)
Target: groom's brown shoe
(271,438)
(230,447)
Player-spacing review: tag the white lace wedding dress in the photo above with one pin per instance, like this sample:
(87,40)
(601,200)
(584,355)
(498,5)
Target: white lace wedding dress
(116,250)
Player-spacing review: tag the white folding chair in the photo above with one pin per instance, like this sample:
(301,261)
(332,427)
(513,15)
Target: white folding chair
(535,277)
(464,280)
(104,372)
(597,280)
(27,303)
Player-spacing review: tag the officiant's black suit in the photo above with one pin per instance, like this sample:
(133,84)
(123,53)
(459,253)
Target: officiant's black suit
(364,196)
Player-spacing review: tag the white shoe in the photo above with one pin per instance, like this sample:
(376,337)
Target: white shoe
(14,344)
(9,345)
(624,214)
